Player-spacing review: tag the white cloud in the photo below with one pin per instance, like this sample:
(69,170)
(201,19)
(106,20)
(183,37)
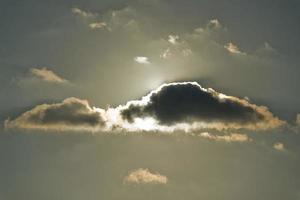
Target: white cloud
(125,19)
(211,26)
(187,52)
(279,146)
(166,53)
(173,39)
(233,137)
(214,23)
(47,75)
(179,52)
(82,13)
(268,47)
(144,176)
(232,48)
(97,25)
(142,60)
(175,48)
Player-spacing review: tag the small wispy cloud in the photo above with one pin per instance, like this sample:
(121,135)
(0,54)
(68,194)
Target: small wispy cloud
(215,23)
(176,48)
(187,52)
(144,176)
(70,115)
(47,75)
(142,60)
(211,26)
(298,119)
(82,13)
(173,39)
(234,137)
(232,48)
(279,146)
(97,25)
(166,53)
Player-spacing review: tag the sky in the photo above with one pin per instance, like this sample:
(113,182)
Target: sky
(149,99)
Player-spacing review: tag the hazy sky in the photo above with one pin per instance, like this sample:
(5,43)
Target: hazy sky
(149,99)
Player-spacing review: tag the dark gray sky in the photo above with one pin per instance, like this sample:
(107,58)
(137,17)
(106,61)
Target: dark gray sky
(110,52)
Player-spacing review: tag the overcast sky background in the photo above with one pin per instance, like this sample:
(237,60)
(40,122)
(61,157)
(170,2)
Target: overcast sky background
(112,51)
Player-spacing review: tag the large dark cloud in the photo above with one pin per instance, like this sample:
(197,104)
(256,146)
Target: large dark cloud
(188,102)
(71,114)
(174,106)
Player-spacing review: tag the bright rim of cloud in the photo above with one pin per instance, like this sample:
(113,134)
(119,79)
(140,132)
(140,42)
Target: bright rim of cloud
(145,176)
(174,118)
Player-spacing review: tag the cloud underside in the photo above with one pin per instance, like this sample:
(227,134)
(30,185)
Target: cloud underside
(175,106)
(144,176)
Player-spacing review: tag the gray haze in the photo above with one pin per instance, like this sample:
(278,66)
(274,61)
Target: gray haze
(109,52)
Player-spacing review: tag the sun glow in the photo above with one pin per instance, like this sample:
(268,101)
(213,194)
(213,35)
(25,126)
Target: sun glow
(146,124)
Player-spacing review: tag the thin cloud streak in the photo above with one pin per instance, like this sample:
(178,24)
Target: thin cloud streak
(233,137)
(47,75)
(145,176)
(142,60)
